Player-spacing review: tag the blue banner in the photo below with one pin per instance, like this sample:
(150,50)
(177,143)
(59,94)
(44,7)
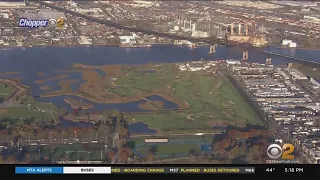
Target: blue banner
(39,170)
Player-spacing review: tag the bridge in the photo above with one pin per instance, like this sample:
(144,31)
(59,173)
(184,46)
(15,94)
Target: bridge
(210,40)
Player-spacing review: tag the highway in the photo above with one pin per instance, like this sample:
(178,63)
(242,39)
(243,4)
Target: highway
(209,40)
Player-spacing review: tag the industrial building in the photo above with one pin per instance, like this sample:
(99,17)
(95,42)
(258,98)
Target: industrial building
(241,34)
(231,61)
(43,14)
(289,43)
(127,40)
(12,4)
(49,14)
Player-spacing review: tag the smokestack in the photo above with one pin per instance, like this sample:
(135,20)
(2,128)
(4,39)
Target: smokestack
(184,24)
(231,29)
(190,25)
(239,31)
(194,27)
(181,21)
(247,30)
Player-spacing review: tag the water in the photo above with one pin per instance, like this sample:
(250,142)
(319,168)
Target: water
(47,60)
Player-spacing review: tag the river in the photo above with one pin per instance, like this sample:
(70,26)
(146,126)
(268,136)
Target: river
(32,61)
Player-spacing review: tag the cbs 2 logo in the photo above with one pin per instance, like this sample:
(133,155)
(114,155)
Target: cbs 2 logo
(275,151)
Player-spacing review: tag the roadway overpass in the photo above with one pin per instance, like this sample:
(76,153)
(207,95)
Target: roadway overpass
(210,40)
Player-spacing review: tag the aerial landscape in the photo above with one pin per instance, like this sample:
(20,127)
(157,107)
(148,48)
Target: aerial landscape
(128,82)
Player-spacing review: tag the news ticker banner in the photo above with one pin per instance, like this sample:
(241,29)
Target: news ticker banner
(131,170)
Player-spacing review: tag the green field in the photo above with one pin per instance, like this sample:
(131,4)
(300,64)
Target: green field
(6,91)
(177,145)
(169,149)
(207,95)
(203,139)
(15,113)
(71,152)
(38,111)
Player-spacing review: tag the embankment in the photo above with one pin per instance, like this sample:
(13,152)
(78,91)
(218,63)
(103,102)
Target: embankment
(256,108)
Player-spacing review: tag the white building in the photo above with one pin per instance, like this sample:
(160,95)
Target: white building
(4,15)
(286,42)
(127,40)
(293,45)
(84,40)
(230,61)
(199,34)
(12,4)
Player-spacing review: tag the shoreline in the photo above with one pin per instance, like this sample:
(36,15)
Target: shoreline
(302,48)
(2,47)
(75,104)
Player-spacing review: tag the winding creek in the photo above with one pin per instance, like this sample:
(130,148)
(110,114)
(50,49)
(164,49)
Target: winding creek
(48,60)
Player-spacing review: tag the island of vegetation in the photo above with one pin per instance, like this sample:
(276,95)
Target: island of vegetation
(51,78)
(9,73)
(76,104)
(41,74)
(151,105)
(45,87)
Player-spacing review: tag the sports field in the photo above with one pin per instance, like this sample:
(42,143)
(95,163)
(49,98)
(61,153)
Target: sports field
(71,152)
(177,145)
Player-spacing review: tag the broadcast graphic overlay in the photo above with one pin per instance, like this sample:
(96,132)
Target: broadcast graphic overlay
(281,155)
(134,170)
(58,23)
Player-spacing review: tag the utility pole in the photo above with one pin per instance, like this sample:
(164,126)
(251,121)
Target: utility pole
(209,24)
(51,109)
(62,137)
(50,137)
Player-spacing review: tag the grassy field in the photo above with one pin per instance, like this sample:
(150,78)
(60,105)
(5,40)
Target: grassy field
(169,149)
(71,152)
(15,113)
(177,145)
(206,94)
(204,139)
(6,91)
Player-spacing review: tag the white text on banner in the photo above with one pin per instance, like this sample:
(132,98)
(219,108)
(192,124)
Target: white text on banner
(86,170)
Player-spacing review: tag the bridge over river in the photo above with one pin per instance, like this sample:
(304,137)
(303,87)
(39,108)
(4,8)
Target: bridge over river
(209,40)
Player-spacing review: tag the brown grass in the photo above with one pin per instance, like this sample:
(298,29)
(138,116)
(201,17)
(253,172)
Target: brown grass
(75,104)
(9,73)
(51,78)
(45,87)
(65,90)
